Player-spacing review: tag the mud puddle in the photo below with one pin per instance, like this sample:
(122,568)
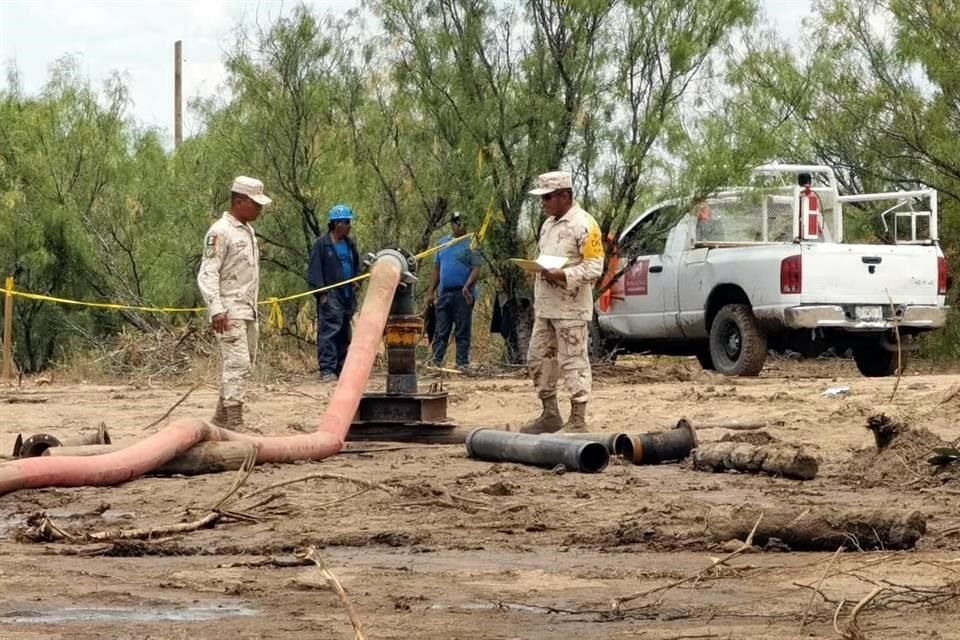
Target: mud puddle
(125,614)
(11,524)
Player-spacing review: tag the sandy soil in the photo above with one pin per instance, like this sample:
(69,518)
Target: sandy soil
(456,548)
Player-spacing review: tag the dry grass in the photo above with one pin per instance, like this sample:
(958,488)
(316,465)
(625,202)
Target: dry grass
(190,354)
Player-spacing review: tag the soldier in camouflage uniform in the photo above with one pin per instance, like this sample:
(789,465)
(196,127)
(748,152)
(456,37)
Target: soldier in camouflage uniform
(229,279)
(563,305)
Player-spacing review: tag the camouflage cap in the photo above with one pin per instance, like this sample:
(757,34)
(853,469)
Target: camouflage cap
(550,182)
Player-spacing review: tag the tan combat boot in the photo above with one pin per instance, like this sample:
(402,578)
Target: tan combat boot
(220,414)
(549,421)
(578,418)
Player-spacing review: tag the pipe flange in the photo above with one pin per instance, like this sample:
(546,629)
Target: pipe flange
(35,445)
(406,262)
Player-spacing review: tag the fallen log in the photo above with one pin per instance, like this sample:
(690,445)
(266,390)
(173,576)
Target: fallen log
(822,528)
(205,457)
(774,459)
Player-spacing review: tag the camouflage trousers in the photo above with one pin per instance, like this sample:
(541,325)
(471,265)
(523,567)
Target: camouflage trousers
(560,346)
(238,348)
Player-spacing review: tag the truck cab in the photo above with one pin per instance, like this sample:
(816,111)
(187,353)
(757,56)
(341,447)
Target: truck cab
(767,266)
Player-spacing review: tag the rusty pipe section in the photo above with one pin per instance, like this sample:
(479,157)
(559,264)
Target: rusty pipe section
(400,337)
(665,446)
(134,461)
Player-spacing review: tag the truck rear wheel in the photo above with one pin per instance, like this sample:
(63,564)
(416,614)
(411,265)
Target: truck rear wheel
(874,361)
(738,347)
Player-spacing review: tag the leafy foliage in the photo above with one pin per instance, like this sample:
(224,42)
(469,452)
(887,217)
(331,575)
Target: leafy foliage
(457,105)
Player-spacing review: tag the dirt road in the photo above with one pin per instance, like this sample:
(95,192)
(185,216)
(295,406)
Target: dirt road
(447,547)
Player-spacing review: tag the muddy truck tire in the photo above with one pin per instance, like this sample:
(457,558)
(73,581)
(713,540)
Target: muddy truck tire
(738,346)
(874,361)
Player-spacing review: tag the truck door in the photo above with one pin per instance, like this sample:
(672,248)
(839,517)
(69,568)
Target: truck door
(669,280)
(645,298)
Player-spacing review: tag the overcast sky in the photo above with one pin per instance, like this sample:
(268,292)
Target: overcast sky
(135,37)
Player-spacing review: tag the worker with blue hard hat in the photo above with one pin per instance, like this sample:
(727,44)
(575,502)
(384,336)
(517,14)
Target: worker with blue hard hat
(334,259)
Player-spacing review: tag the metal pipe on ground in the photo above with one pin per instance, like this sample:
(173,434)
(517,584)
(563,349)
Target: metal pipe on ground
(665,446)
(179,436)
(538,450)
(38,443)
(617,444)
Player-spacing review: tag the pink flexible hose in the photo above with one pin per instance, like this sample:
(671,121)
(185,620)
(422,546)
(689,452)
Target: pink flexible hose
(328,439)
(138,459)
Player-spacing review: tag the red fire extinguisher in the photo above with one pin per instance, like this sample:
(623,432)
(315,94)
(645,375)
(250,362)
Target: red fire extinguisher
(811,224)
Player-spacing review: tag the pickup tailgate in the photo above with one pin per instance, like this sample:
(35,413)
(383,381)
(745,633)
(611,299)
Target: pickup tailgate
(869,274)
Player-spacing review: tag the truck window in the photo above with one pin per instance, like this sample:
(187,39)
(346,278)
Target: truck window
(757,215)
(735,218)
(649,236)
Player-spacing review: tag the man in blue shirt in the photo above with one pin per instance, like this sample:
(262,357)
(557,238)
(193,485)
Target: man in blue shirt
(455,273)
(333,259)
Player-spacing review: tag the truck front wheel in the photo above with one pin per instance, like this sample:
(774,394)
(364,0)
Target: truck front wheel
(738,347)
(874,361)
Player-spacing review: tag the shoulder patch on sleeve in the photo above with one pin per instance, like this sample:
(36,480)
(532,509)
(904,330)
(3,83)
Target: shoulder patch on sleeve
(593,243)
(210,244)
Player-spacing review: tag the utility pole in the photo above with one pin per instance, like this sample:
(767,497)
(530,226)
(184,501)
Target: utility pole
(8,329)
(177,93)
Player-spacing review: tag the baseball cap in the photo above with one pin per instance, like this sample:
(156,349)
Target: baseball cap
(252,188)
(550,182)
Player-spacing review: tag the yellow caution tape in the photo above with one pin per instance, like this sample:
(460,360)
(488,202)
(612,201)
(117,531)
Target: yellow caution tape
(274,319)
(97,305)
(482,232)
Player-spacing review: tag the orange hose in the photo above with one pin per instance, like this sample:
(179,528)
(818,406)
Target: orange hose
(332,433)
(138,459)
(109,468)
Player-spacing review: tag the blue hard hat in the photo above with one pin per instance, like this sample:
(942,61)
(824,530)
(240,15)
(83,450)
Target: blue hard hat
(340,212)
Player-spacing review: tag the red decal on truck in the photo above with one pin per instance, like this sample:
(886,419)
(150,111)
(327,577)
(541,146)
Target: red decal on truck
(635,282)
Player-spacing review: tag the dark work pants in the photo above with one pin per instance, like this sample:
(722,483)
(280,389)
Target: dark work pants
(333,332)
(453,313)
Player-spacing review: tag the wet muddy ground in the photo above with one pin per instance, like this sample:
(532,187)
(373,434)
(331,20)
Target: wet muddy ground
(430,544)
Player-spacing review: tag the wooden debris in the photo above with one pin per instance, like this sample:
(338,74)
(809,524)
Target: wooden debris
(337,588)
(24,399)
(823,529)
(175,405)
(779,460)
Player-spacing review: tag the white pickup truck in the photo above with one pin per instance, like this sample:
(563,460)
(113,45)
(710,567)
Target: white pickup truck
(768,267)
